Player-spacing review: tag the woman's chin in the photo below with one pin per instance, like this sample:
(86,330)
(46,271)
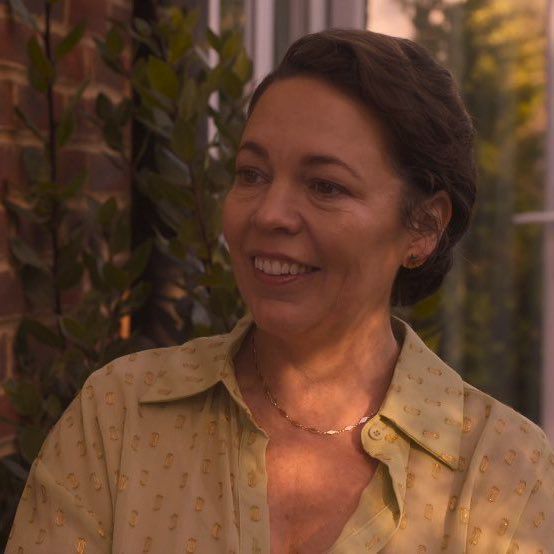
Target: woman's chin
(282,318)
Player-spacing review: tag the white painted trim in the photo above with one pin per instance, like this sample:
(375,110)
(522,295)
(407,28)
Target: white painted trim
(317,15)
(263,22)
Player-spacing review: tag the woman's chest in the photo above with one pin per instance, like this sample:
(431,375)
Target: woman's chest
(312,493)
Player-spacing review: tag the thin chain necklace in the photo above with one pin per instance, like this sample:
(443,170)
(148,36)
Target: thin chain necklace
(290,419)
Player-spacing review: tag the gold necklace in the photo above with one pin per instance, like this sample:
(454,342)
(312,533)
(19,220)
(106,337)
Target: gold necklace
(294,422)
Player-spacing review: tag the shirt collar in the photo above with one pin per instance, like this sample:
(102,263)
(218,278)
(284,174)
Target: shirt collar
(424,400)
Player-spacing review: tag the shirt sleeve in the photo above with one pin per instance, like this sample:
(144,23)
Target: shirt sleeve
(535,530)
(67,501)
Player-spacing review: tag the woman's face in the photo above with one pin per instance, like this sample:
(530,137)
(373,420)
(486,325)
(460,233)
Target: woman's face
(313,186)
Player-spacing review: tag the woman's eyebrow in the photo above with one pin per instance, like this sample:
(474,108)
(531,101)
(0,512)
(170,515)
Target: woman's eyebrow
(307,159)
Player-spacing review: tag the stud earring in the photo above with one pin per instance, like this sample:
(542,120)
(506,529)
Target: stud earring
(413,261)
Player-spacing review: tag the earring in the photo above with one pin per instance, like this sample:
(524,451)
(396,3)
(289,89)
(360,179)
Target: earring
(413,261)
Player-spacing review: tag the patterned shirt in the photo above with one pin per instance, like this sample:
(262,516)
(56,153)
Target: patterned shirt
(159,453)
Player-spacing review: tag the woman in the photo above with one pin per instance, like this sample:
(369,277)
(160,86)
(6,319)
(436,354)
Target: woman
(320,423)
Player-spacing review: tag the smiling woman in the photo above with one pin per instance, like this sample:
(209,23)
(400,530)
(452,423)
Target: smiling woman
(320,423)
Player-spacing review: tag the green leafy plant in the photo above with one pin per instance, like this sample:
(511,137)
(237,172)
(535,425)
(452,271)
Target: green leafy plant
(72,254)
(182,173)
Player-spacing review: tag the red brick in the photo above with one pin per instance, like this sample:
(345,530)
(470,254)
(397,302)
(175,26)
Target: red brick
(7,118)
(11,294)
(36,7)
(121,12)
(72,67)
(35,106)
(8,412)
(11,171)
(101,73)
(105,176)
(4,251)
(5,345)
(13,41)
(94,12)
(72,163)
(86,130)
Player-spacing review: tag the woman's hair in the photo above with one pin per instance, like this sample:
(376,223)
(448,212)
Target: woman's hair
(427,129)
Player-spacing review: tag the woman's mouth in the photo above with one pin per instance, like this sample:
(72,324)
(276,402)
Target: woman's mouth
(272,271)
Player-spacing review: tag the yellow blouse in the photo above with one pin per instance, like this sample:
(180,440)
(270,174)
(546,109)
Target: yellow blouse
(159,453)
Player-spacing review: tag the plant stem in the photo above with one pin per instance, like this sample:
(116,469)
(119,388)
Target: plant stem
(52,154)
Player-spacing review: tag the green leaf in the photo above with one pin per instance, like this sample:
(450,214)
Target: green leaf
(179,44)
(162,77)
(231,85)
(243,66)
(66,126)
(25,254)
(53,406)
(213,40)
(74,330)
(41,70)
(231,46)
(103,106)
(116,277)
(139,259)
(70,276)
(40,332)
(142,27)
(183,140)
(107,212)
(189,100)
(75,186)
(71,40)
(114,42)
(19,9)
(30,442)
(24,397)
(120,236)
(26,120)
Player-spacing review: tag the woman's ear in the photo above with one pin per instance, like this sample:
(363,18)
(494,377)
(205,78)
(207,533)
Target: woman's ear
(432,216)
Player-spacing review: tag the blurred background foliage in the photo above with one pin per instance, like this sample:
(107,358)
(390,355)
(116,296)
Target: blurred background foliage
(88,267)
(486,319)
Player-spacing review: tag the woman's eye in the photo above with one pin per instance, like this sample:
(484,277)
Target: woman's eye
(325,188)
(248,176)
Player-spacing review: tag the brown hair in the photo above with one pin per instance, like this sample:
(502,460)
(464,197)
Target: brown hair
(427,128)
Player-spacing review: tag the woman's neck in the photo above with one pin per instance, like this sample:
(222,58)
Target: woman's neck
(342,376)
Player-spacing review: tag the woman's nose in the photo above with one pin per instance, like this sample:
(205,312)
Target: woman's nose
(278,209)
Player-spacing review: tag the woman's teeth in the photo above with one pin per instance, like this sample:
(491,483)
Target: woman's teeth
(275,267)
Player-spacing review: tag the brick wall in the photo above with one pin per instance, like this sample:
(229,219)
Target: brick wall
(86,149)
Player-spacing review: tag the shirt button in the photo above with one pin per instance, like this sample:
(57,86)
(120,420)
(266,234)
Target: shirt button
(376,433)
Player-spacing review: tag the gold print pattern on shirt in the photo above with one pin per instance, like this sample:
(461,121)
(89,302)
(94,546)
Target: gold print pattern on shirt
(453,503)
(436,471)
(180,421)
(510,457)
(499,426)
(431,434)
(133,518)
(503,527)
(193,441)
(60,518)
(199,505)
(464,515)
(373,542)
(475,536)
(536,456)
(184,479)
(154,439)
(168,461)
(216,531)
(536,487)
(173,518)
(493,495)
(255,513)
(484,465)
(412,410)
(428,512)
(144,475)
(81,545)
(520,489)
(72,480)
(122,482)
(539,520)
(421,549)
(191,545)
(206,466)
(158,500)
(147,545)
(467,425)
